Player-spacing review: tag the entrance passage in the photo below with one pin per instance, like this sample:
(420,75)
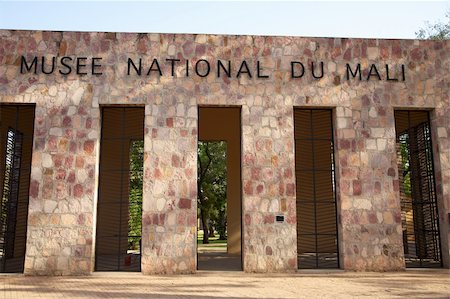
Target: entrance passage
(317,245)
(219,189)
(417,189)
(119,212)
(16,141)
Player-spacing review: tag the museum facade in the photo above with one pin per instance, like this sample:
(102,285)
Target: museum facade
(338,151)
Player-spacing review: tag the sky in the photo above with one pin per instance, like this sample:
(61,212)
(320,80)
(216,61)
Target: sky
(366,19)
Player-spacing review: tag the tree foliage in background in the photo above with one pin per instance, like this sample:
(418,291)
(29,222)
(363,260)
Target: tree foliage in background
(212,187)
(404,151)
(136,185)
(436,31)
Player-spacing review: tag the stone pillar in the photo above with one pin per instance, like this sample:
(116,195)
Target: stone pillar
(268,186)
(441,150)
(440,125)
(370,217)
(63,181)
(169,217)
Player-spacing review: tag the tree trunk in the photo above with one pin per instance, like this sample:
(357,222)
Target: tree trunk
(222,232)
(211,230)
(205,227)
(202,172)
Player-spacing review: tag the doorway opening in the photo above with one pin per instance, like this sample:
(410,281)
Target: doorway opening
(119,211)
(317,238)
(420,221)
(219,189)
(16,142)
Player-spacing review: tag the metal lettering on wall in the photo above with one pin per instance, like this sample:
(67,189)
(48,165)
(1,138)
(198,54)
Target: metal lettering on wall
(65,65)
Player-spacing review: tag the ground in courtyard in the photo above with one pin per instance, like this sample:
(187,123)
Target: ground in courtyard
(215,245)
(317,284)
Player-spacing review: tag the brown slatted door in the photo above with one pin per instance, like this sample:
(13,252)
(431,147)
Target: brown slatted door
(316,203)
(119,212)
(16,141)
(421,240)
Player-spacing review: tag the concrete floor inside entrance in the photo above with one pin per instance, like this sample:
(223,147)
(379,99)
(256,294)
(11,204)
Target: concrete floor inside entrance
(214,258)
(218,261)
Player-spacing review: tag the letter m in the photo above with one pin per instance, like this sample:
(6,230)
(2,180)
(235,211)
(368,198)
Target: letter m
(354,74)
(24,65)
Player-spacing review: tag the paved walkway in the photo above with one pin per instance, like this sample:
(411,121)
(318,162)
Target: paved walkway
(218,285)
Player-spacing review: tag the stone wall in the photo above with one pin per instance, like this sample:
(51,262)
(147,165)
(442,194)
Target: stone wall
(63,192)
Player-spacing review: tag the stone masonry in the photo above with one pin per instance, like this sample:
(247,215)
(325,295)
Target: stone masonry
(65,161)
